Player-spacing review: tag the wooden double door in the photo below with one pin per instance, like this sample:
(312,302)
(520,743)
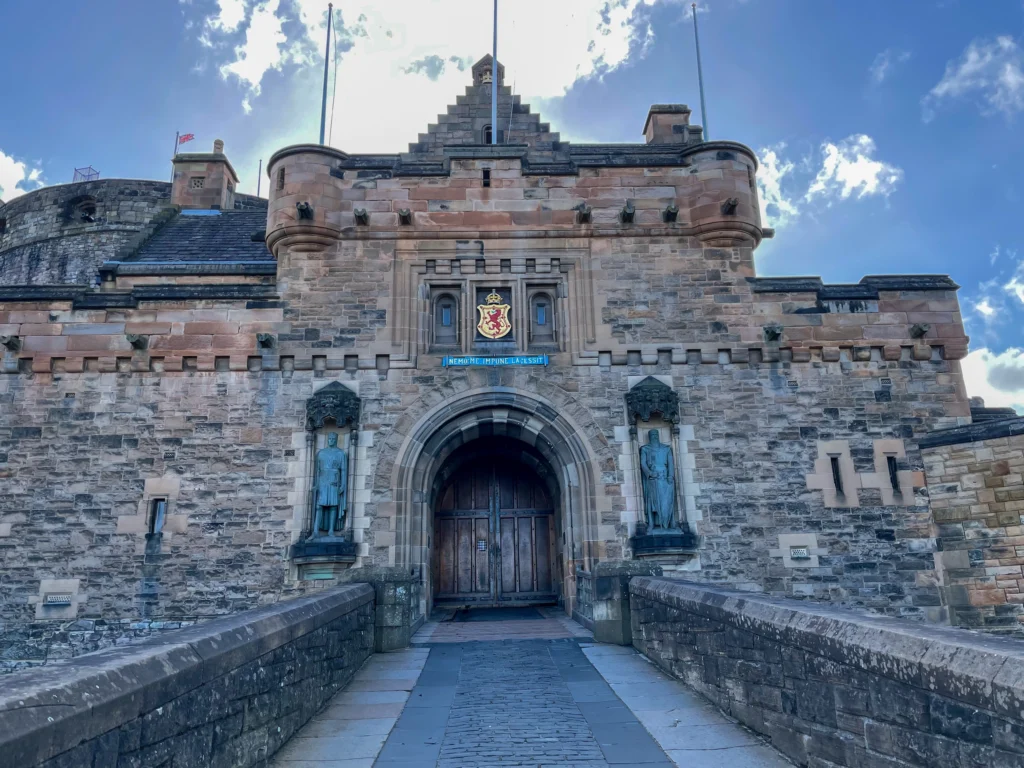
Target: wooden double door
(494,537)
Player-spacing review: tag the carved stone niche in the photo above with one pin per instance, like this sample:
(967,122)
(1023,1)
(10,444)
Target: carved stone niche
(335,409)
(657,405)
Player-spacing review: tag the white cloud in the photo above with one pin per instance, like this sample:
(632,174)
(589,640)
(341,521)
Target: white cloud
(379,41)
(849,168)
(884,62)
(261,52)
(985,308)
(1015,287)
(777,209)
(996,377)
(991,71)
(16,178)
(229,16)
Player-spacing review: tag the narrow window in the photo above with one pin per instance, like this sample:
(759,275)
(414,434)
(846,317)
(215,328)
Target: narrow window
(837,477)
(487,134)
(3,226)
(487,178)
(542,326)
(894,478)
(157,514)
(280,179)
(446,330)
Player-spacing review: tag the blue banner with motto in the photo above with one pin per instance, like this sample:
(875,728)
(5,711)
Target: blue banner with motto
(472,360)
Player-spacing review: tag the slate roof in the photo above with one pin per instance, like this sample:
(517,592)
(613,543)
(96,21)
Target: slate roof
(211,239)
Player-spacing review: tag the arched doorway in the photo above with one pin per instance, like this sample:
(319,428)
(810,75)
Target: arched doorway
(495,527)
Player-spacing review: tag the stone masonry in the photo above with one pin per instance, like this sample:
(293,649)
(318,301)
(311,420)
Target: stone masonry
(187,379)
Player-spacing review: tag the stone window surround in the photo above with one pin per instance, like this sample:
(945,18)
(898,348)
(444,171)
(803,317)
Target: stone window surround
(167,487)
(908,479)
(821,479)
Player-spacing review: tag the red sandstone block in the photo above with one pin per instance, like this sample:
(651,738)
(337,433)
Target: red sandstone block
(98,344)
(922,352)
(44,343)
(891,352)
(178,343)
(209,328)
(838,334)
(437,193)
(234,342)
(37,329)
(41,364)
(30,316)
(147,328)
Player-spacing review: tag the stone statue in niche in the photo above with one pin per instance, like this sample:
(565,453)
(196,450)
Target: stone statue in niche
(659,480)
(331,488)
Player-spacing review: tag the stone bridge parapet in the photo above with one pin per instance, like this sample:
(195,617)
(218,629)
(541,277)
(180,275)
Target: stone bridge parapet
(228,692)
(833,687)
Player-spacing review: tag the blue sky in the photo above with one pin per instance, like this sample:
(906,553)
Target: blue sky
(891,135)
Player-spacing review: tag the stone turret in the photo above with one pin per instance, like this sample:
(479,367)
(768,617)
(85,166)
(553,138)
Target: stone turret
(204,179)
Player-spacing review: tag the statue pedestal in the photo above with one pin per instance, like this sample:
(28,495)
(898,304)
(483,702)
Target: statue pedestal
(323,557)
(652,543)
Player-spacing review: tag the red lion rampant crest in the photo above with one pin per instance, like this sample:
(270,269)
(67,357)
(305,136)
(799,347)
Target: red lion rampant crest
(494,320)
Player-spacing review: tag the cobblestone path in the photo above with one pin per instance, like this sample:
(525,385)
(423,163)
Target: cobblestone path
(541,702)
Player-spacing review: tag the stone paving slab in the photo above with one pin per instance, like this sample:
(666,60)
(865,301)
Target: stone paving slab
(693,733)
(351,730)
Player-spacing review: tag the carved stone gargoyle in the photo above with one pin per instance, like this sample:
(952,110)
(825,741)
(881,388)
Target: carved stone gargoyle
(265,340)
(12,343)
(582,213)
(729,206)
(772,332)
(137,340)
(628,213)
(404,216)
(305,211)
(362,216)
(918,330)
(670,214)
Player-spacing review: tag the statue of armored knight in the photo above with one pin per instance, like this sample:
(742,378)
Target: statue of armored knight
(331,488)
(658,470)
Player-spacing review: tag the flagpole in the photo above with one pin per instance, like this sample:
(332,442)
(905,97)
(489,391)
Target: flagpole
(327,61)
(259,177)
(700,74)
(494,80)
(177,135)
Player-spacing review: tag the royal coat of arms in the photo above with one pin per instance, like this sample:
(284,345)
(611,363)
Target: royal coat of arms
(494,321)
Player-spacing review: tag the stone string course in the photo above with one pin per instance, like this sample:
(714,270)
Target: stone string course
(225,694)
(835,688)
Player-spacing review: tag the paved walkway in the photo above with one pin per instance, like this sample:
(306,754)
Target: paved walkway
(486,693)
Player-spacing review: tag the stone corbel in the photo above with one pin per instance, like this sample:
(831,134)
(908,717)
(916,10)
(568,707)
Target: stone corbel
(772,332)
(670,214)
(583,212)
(628,213)
(137,340)
(266,341)
(13,343)
(362,216)
(404,217)
(729,206)
(305,211)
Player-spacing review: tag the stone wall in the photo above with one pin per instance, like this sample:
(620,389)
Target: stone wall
(47,241)
(835,688)
(976,484)
(226,694)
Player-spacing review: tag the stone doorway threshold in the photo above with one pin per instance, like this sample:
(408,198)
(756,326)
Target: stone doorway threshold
(488,624)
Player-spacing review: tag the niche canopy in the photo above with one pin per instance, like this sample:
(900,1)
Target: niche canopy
(651,396)
(335,401)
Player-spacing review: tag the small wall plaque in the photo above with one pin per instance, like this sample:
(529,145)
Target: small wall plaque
(58,598)
(799,553)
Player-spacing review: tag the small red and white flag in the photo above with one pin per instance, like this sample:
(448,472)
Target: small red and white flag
(186,137)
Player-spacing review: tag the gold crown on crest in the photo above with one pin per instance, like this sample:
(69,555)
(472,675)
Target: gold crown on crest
(494,298)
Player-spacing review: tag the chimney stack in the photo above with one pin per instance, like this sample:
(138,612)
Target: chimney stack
(670,124)
(204,180)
